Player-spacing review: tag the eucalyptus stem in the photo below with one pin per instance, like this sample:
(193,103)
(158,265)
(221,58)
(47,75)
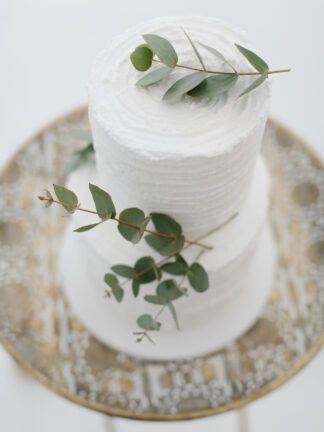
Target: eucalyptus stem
(155,233)
(145,332)
(213,72)
(196,242)
(189,244)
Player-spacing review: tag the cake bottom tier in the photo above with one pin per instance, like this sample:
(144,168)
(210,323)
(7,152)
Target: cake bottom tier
(208,320)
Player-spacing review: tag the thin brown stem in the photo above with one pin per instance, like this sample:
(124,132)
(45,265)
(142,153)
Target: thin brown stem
(226,73)
(155,233)
(196,242)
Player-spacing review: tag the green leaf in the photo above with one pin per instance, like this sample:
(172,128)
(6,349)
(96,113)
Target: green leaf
(165,224)
(135,287)
(141,58)
(162,48)
(111,280)
(195,50)
(179,258)
(154,299)
(168,290)
(218,54)
(148,323)
(78,158)
(118,293)
(157,271)
(174,314)
(214,86)
(133,216)
(175,268)
(147,266)
(154,76)
(86,227)
(123,270)
(67,198)
(183,86)
(198,277)
(103,202)
(165,247)
(256,83)
(257,62)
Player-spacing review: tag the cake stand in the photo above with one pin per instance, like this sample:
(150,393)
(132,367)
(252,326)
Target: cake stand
(40,332)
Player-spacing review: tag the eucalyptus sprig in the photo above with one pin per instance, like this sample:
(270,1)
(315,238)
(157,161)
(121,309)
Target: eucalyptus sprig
(202,82)
(167,239)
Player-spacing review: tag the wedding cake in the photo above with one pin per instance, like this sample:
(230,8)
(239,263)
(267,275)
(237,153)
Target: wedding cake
(199,162)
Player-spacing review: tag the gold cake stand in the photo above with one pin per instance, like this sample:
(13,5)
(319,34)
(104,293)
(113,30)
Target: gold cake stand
(40,332)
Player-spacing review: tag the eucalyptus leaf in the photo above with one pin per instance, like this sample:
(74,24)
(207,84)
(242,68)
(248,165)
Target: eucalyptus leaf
(165,224)
(168,290)
(103,202)
(164,246)
(148,323)
(173,314)
(174,246)
(218,54)
(78,158)
(162,48)
(157,243)
(87,227)
(133,216)
(214,85)
(183,86)
(135,286)
(198,277)
(195,49)
(154,299)
(141,58)
(179,259)
(175,268)
(154,76)
(123,270)
(257,62)
(112,281)
(67,198)
(147,266)
(256,83)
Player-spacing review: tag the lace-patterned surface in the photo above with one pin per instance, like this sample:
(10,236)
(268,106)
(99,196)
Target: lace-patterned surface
(38,329)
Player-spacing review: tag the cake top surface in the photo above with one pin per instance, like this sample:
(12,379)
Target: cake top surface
(138,118)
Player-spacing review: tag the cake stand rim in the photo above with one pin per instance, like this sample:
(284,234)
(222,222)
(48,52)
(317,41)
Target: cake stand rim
(119,412)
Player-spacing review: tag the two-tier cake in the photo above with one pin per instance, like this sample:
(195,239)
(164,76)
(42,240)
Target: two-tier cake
(196,160)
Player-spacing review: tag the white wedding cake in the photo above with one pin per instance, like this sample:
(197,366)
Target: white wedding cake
(197,161)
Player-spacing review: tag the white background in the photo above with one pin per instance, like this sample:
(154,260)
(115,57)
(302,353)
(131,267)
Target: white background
(47,47)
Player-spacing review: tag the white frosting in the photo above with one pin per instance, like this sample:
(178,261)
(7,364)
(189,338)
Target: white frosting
(208,321)
(237,267)
(191,159)
(194,160)
(230,242)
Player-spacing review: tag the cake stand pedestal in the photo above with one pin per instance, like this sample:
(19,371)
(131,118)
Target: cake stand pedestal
(39,330)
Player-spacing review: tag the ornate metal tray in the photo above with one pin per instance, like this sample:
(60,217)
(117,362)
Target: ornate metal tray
(38,329)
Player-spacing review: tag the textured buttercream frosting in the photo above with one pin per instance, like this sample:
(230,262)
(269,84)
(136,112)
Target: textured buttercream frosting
(239,268)
(193,159)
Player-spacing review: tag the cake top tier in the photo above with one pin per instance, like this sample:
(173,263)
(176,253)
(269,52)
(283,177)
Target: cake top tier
(137,117)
